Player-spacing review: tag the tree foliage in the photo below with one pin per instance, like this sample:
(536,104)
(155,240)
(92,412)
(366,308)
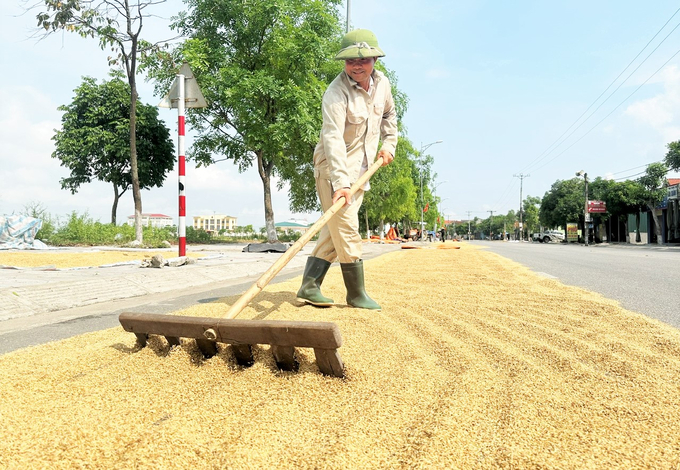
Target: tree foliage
(94,143)
(392,193)
(653,190)
(672,159)
(263,67)
(621,197)
(530,218)
(563,203)
(117,25)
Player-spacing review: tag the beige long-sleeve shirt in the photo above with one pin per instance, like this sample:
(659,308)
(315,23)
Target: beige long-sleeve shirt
(354,122)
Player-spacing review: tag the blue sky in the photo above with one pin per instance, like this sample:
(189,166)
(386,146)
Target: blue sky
(503,84)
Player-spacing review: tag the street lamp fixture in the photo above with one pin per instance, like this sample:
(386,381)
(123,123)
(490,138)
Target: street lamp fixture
(422,198)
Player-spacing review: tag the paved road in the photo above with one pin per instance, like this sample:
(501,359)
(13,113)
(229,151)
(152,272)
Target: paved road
(644,279)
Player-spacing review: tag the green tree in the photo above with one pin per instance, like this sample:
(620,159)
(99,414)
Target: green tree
(392,194)
(93,142)
(653,189)
(563,203)
(672,159)
(423,177)
(117,25)
(530,211)
(622,198)
(263,67)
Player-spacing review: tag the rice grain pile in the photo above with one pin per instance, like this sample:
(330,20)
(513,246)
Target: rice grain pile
(71,259)
(474,362)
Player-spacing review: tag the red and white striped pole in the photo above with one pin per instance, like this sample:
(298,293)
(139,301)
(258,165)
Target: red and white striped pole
(181,159)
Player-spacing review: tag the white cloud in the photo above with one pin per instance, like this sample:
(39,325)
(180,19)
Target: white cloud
(661,111)
(438,73)
(27,125)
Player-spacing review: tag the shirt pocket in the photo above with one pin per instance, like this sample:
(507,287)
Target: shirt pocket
(357,120)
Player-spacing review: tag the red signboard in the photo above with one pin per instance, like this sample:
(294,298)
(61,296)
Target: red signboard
(597,207)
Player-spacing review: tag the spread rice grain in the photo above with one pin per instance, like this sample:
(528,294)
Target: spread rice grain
(474,362)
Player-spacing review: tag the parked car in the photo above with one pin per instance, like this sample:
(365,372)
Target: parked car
(547,236)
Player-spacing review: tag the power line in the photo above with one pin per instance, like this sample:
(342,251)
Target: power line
(668,170)
(505,195)
(559,141)
(635,168)
(625,178)
(612,111)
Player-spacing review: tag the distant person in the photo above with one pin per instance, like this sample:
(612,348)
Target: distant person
(442,234)
(358,111)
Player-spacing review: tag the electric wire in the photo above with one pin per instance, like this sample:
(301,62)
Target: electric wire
(505,195)
(612,111)
(635,168)
(559,141)
(639,174)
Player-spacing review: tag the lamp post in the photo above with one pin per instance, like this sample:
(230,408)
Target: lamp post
(586,217)
(422,199)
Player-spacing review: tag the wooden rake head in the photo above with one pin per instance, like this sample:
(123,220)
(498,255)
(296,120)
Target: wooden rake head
(283,336)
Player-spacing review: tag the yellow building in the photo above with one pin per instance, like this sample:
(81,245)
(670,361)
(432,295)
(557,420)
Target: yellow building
(214,223)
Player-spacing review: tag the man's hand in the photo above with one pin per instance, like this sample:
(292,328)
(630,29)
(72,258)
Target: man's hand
(387,157)
(343,192)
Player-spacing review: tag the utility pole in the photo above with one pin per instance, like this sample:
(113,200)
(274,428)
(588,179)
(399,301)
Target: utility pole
(586,215)
(521,177)
(349,14)
(491,217)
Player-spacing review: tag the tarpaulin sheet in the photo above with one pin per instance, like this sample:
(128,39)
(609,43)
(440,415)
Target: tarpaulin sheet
(18,232)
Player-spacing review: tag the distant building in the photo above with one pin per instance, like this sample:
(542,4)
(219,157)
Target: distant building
(214,223)
(153,220)
(296,226)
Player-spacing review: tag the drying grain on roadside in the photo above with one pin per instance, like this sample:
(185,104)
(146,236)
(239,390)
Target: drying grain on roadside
(474,362)
(79,259)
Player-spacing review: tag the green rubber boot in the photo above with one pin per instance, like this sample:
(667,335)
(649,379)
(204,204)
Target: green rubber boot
(310,292)
(353,274)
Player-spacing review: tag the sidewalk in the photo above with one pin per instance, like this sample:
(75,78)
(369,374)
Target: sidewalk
(34,298)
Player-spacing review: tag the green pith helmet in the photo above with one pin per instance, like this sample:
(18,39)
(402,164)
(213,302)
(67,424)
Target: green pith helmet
(358,44)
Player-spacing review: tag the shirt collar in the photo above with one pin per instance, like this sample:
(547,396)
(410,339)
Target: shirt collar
(356,84)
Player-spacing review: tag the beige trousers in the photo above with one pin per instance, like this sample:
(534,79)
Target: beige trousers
(339,238)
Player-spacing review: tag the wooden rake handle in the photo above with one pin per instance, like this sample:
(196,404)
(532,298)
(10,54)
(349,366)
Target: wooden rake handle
(297,246)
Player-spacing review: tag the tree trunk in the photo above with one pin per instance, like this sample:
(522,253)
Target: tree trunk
(136,193)
(657,226)
(114,209)
(265,171)
(131,65)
